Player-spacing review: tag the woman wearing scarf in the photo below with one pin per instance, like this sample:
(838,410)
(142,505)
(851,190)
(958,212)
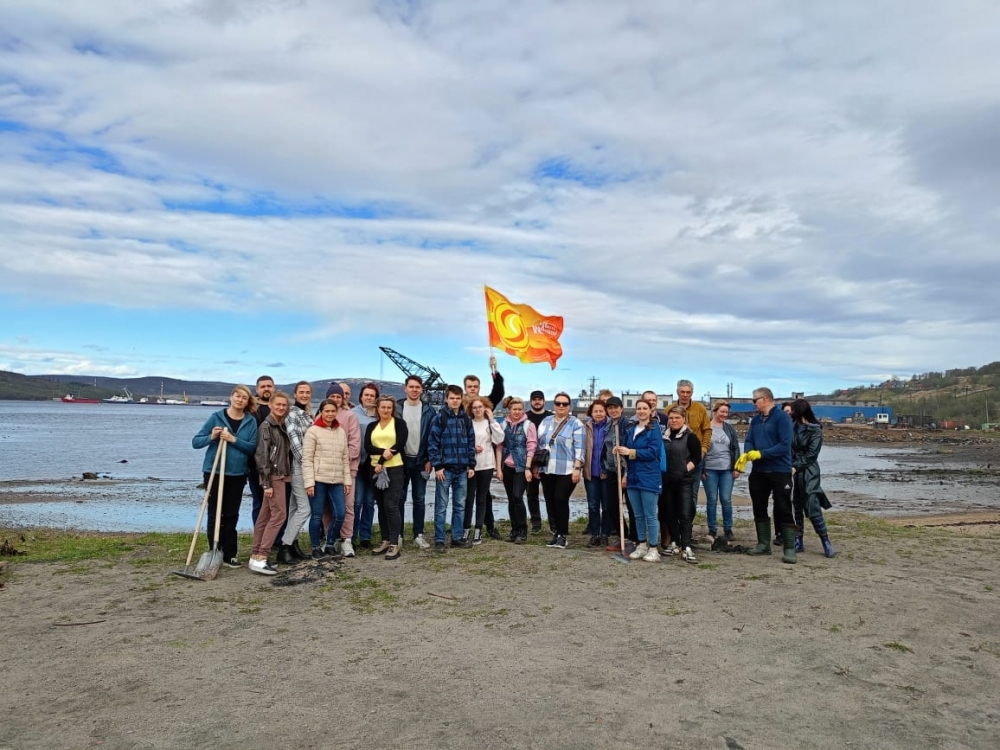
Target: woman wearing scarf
(326,470)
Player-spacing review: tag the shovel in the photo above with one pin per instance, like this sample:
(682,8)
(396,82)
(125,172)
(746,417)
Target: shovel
(620,556)
(186,573)
(211,561)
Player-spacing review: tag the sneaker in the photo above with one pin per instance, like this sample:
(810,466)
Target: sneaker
(464,543)
(332,553)
(688,556)
(319,554)
(346,548)
(595,541)
(478,538)
(536,528)
(420,542)
(629,547)
(494,534)
(560,542)
(672,550)
(262,567)
(652,556)
(439,547)
(233,562)
(613,544)
(640,551)
(729,535)
(521,538)
(382,548)
(552,541)
(393,552)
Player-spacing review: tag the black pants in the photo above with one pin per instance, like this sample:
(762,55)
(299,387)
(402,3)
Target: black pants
(232,497)
(763,484)
(514,482)
(677,504)
(479,496)
(534,507)
(390,522)
(611,493)
(557,489)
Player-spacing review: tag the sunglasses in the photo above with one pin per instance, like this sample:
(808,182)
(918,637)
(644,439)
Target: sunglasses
(561,403)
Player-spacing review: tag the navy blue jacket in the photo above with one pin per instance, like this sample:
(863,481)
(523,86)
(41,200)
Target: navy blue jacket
(645,471)
(426,417)
(452,441)
(772,436)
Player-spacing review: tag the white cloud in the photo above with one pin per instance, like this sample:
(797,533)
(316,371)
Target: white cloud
(749,182)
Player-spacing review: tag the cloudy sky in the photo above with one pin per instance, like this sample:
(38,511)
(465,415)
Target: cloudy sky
(789,193)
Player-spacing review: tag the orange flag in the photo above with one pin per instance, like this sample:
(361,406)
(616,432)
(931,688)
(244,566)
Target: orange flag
(520,331)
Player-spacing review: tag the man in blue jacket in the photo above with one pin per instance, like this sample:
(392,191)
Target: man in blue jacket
(418,417)
(769,446)
(451,449)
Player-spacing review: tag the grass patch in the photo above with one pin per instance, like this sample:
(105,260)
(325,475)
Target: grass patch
(897,646)
(708,566)
(836,628)
(366,595)
(755,576)
(67,546)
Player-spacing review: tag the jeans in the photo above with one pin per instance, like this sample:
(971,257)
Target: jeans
(324,493)
(765,483)
(457,482)
(478,497)
(597,507)
(612,520)
(557,489)
(719,489)
(645,503)
(514,482)
(412,474)
(364,504)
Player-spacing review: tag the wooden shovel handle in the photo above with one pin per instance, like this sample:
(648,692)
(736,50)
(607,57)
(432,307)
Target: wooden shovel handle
(222,477)
(201,513)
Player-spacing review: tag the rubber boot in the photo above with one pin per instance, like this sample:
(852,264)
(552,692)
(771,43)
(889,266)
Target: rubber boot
(788,537)
(763,538)
(819,524)
(285,555)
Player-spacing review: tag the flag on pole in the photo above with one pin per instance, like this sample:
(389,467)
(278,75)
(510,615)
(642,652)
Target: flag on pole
(521,331)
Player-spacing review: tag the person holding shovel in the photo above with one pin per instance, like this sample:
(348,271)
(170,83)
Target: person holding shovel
(643,447)
(274,469)
(236,426)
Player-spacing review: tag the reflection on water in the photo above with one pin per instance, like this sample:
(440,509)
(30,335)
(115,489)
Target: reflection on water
(43,444)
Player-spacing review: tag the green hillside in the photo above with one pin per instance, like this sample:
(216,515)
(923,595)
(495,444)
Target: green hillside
(13,385)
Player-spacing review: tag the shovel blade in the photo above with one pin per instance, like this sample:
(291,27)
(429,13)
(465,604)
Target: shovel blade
(187,574)
(209,564)
(619,557)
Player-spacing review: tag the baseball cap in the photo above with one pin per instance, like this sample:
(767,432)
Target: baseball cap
(536,394)
(613,401)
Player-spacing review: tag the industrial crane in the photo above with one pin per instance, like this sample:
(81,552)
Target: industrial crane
(434,384)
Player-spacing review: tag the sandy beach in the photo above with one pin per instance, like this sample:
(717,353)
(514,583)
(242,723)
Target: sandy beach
(893,643)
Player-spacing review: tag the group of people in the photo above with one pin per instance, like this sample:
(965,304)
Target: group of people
(334,469)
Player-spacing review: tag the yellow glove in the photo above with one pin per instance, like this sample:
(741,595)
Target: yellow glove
(742,461)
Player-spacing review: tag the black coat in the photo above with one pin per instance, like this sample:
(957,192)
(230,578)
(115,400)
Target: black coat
(807,441)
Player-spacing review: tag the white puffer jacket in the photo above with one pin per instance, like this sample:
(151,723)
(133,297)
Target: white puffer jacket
(325,457)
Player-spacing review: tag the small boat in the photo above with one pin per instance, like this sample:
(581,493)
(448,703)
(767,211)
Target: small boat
(126,399)
(213,402)
(70,399)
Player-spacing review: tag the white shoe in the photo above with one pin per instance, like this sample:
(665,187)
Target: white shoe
(673,549)
(261,566)
(652,556)
(640,551)
(688,556)
(420,542)
(346,548)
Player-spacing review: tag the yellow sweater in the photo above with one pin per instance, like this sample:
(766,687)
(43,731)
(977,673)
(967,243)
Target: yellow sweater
(385,437)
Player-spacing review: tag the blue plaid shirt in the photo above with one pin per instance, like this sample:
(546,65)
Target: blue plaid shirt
(568,447)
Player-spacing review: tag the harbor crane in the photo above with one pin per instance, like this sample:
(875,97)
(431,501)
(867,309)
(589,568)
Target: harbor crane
(434,384)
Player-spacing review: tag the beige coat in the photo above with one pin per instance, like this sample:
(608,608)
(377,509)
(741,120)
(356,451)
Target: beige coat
(325,457)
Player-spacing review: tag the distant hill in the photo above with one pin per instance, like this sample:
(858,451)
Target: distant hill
(15,386)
